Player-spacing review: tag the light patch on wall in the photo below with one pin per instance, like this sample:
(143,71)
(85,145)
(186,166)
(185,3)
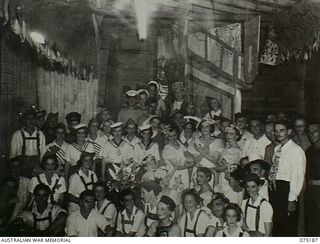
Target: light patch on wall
(37,37)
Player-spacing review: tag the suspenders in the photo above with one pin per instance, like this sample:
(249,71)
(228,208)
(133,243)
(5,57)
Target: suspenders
(257,212)
(36,220)
(86,185)
(24,138)
(240,234)
(194,231)
(127,222)
(53,190)
(105,208)
(149,215)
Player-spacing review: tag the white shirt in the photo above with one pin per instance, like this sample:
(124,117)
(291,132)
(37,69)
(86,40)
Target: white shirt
(212,113)
(28,218)
(234,197)
(141,151)
(31,148)
(246,136)
(264,192)
(255,149)
(109,211)
(235,234)
(73,152)
(76,186)
(22,195)
(134,141)
(116,154)
(60,187)
(126,225)
(216,222)
(202,224)
(78,226)
(266,213)
(177,105)
(292,167)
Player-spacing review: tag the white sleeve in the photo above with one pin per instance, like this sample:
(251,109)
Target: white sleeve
(203,223)
(266,212)
(138,221)
(16,144)
(33,184)
(71,226)
(298,171)
(42,143)
(73,183)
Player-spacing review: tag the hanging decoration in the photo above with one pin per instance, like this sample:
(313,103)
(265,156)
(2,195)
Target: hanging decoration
(46,55)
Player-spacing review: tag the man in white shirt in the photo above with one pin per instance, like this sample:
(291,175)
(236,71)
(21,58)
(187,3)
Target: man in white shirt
(29,143)
(86,221)
(287,178)
(255,147)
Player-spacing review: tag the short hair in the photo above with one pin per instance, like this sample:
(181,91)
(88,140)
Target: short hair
(60,126)
(130,122)
(151,100)
(191,192)
(151,186)
(256,119)
(212,126)
(82,156)
(206,171)
(47,157)
(284,122)
(86,193)
(99,184)
(220,196)
(43,187)
(127,192)
(93,120)
(236,208)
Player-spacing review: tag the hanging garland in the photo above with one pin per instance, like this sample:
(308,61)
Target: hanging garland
(17,37)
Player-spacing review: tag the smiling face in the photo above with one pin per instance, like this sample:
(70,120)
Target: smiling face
(41,198)
(269,131)
(117,133)
(218,208)
(87,203)
(188,130)
(257,169)
(50,165)
(231,216)
(252,188)
(189,203)
(201,178)
(255,127)
(131,129)
(163,211)
(241,123)
(128,202)
(93,128)
(151,165)
(231,135)
(81,134)
(99,193)
(172,136)
(314,133)
(146,134)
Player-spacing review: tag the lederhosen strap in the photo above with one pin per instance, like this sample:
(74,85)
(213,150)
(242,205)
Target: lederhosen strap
(53,191)
(36,220)
(127,222)
(105,208)
(194,231)
(24,138)
(240,234)
(86,185)
(257,213)
(149,215)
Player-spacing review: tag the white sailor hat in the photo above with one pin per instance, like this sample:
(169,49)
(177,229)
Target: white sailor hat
(116,125)
(207,122)
(132,93)
(144,127)
(143,90)
(148,121)
(177,85)
(155,83)
(79,126)
(192,118)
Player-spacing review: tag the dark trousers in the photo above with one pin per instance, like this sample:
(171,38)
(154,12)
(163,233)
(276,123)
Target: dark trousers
(312,210)
(283,224)
(30,164)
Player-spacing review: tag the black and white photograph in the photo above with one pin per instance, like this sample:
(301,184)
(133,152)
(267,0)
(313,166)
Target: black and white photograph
(160,118)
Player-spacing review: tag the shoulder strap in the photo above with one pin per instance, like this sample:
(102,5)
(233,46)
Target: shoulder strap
(38,179)
(38,142)
(241,234)
(23,153)
(224,234)
(185,226)
(83,182)
(53,191)
(34,220)
(246,212)
(196,223)
(105,208)
(258,214)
